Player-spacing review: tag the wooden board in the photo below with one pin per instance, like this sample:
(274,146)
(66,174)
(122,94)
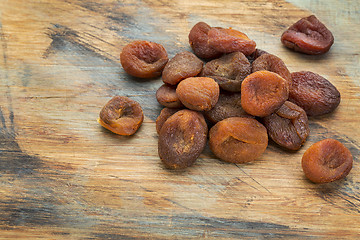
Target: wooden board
(62,176)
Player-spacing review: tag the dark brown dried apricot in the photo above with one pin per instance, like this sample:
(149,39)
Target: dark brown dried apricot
(163,116)
(229,40)
(238,140)
(198,93)
(326,161)
(228,105)
(263,92)
(228,71)
(181,66)
(314,93)
(272,63)
(166,96)
(143,59)
(257,53)
(288,126)
(121,115)
(308,35)
(198,39)
(182,139)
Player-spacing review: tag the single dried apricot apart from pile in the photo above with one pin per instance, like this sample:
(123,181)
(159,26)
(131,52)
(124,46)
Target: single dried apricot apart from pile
(143,59)
(121,115)
(326,161)
(308,35)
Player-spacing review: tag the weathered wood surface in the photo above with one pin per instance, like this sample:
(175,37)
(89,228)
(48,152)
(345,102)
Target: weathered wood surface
(62,176)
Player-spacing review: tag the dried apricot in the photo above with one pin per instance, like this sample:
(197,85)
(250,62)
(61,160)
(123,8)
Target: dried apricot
(238,140)
(143,59)
(182,139)
(257,53)
(229,40)
(314,93)
(166,96)
(198,39)
(228,71)
(263,92)
(181,66)
(326,161)
(288,126)
(163,116)
(198,93)
(308,35)
(121,115)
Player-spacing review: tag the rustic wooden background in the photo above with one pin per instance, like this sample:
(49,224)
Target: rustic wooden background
(62,176)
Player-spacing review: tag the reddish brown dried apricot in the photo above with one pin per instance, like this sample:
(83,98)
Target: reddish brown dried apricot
(274,64)
(238,140)
(308,35)
(143,59)
(326,161)
(228,105)
(263,92)
(228,71)
(198,93)
(182,138)
(198,39)
(163,116)
(166,96)
(312,92)
(121,115)
(288,126)
(183,65)
(229,40)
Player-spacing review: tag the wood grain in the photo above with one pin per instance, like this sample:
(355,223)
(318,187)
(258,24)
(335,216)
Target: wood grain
(62,176)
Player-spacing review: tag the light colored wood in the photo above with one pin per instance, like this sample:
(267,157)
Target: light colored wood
(62,176)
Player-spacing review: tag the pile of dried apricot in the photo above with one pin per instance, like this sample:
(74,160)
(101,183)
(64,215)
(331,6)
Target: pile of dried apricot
(235,96)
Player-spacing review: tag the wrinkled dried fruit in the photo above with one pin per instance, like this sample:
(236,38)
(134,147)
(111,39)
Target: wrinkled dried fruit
(288,126)
(228,105)
(315,94)
(228,71)
(308,35)
(143,59)
(258,52)
(183,65)
(166,96)
(229,40)
(238,140)
(326,161)
(263,92)
(274,64)
(121,115)
(182,138)
(198,93)
(198,39)
(163,116)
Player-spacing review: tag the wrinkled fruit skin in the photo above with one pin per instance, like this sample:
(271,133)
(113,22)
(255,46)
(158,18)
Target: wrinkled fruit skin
(198,93)
(182,139)
(263,92)
(326,161)
(228,71)
(121,115)
(288,126)
(308,35)
(165,113)
(312,92)
(181,66)
(198,39)
(166,96)
(143,59)
(238,140)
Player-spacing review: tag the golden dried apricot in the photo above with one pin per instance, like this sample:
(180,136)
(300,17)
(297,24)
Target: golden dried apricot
(121,115)
(143,59)
(238,140)
(326,161)
(165,113)
(198,93)
(166,96)
(182,139)
(263,92)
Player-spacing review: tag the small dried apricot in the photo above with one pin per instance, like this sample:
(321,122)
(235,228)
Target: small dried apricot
(326,161)
(163,116)
(121,115)
(143,59)
(257,53)
(166,96)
